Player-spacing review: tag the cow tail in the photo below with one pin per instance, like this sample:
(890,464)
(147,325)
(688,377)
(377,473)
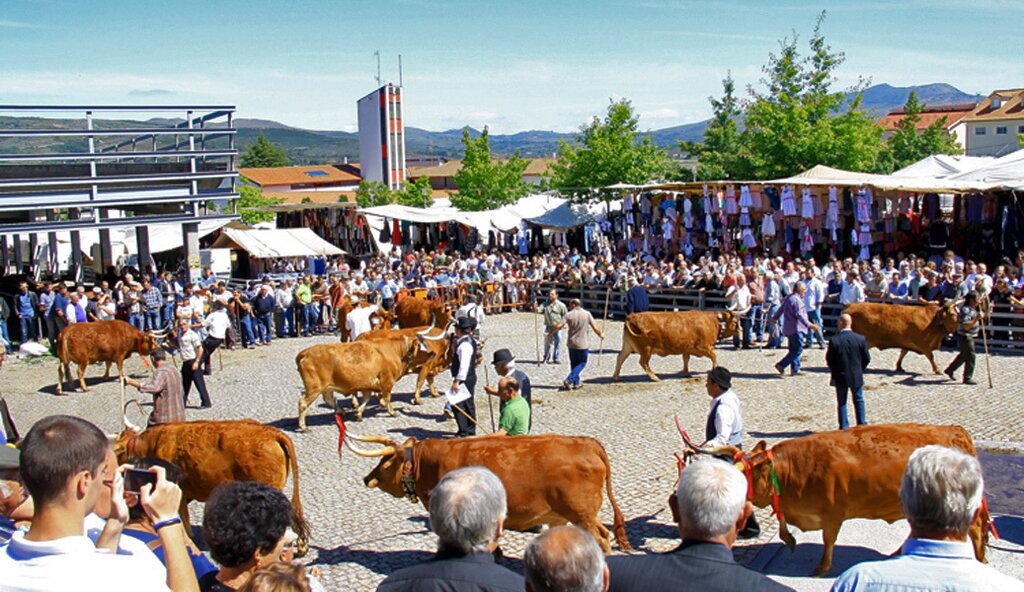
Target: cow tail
(618,523)
(300,526)
(629,327)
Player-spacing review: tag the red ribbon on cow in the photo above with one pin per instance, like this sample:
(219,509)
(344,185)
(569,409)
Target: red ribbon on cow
(341,432)
(747,470)
(988,517)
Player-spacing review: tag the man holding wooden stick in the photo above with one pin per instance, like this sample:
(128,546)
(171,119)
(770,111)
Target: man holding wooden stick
(970,316)
(579,322)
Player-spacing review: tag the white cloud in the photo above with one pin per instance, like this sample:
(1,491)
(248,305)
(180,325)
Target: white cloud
(7,24)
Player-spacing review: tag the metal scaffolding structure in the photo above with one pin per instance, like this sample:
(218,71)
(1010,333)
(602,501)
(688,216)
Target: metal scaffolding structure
(69,168)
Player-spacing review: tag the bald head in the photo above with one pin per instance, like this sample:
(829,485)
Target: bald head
(845,321)
(565,559)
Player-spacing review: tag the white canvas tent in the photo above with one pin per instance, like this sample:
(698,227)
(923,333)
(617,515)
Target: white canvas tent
(278,242)
(942,166)
(1006,172)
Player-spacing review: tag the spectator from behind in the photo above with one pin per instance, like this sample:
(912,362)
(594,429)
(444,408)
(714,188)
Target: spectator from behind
(711,501)
(941,496)
(467,512)
(244,527)
(278,577)
(565,559)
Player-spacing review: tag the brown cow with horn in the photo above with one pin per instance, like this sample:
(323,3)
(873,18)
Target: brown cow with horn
(101,341)
(548,479)
(826,478)
(690,333)
(908,327)
(417,312)
(213,452)
(430,359)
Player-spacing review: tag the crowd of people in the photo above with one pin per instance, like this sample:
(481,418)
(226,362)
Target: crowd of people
(73,519)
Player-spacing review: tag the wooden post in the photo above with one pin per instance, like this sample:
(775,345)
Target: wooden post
(604,323)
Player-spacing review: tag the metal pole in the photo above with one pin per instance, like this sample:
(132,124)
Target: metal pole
(536,331)
(490,402)
(984,340)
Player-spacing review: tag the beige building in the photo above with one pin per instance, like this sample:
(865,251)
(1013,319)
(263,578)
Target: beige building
(994,125)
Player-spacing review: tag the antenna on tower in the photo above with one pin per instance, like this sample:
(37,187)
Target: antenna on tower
(377,55)
(399,70)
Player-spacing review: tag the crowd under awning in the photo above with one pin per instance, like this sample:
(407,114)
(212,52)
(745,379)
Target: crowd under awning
(275,243)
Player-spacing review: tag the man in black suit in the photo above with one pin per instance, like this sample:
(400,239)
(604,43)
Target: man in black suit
(712,503)
(847,358)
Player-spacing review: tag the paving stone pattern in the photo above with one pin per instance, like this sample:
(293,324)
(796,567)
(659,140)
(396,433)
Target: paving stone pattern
(361,535)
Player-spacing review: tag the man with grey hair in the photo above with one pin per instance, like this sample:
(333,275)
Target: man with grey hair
(941,495)
(565,559)
(712,507)
(467,513)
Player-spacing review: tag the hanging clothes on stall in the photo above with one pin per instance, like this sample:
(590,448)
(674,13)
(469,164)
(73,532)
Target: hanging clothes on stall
(832,215)
(807,204)
(745,200)
(768,225)
(748,239)
(396,232)
(788,201)
(730,200)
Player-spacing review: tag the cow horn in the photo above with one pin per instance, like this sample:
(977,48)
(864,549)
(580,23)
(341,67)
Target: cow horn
(124,417)
(387,450)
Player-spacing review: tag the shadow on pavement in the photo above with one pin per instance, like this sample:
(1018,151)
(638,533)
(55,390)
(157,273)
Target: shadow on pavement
(642,528)
(1011,529)
(794,434)
(801,562)
(379,562)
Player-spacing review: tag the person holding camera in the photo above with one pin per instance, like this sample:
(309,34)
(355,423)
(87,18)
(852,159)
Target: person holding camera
(64,465)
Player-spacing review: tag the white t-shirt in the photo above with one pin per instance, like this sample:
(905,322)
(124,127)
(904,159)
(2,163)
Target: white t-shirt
(357,321)
(73,563)
(217,324)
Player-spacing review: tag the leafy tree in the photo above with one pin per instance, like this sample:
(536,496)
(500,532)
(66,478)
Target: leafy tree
(485,183)
(720,154)
(799,121)
(605,152)
(263,153)
(250,203)
(377,193)
(907,146)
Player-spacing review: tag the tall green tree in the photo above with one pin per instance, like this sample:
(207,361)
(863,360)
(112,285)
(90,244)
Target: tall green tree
(605,152)
(376,193)
(485,183)
(263,153)
(798,120)
(907,145)
(721,154)
(250,203)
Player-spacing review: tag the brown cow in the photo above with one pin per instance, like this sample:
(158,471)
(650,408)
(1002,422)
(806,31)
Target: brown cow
(416,312)
(380,319)
(690,333)
(830,477)
(908,327)
(548,479)
(429,360)
(350,369)
(99,341)
(213,452)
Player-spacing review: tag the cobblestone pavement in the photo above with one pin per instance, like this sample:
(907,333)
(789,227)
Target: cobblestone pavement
(361,535)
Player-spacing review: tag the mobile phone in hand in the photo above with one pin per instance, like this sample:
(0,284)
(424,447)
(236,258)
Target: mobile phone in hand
(134,479)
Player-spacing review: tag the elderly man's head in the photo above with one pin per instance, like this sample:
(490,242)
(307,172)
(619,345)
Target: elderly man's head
(712,501)
(467,510)
(941,492)
(565,559)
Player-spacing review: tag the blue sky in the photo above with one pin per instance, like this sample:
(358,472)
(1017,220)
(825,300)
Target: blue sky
(510,65)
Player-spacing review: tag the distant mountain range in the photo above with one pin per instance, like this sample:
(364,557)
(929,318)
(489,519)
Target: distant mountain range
(321,146)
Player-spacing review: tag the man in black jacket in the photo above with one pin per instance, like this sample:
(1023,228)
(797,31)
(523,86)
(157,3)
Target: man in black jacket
(847,358)
(637,299)
(467,511)
(713,507)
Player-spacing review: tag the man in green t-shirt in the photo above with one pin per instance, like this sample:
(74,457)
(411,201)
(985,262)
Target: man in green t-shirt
(515,411)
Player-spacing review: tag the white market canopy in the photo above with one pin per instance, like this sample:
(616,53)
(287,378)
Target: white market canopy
(942,166)
(1006,171)
(278,242)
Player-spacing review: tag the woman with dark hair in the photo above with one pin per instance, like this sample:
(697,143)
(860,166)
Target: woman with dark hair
(243,526)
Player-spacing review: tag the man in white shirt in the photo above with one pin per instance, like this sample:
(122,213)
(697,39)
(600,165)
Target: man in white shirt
(739,303)
(216,326)
(357,321)
(64,464)
(853,290)
(473,310)
(813,298)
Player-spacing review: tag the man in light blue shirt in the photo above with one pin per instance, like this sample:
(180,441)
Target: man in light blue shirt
(812,299)
(941,495)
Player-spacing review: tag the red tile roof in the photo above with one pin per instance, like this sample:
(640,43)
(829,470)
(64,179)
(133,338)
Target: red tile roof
(296,175)
(952,113)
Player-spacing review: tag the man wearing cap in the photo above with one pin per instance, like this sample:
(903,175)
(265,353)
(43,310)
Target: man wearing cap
(724,426)
(505,366)
(464,377)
